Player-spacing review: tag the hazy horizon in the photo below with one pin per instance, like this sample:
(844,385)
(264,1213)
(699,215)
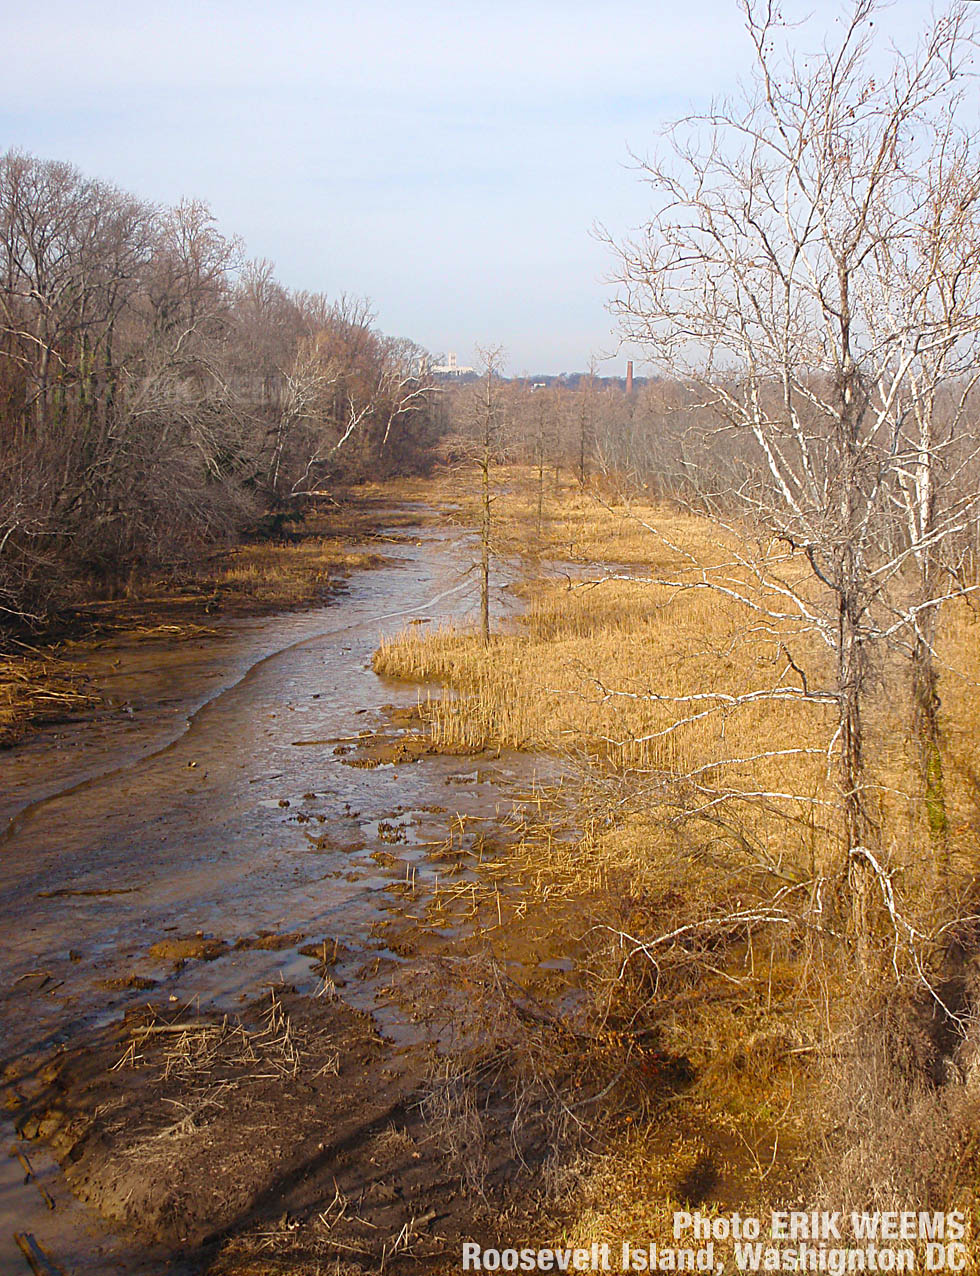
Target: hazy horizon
(447,163)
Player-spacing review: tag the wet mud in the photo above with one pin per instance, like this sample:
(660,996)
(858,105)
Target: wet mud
(207,1017)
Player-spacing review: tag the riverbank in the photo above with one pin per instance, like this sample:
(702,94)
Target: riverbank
(305,565)
(224,909)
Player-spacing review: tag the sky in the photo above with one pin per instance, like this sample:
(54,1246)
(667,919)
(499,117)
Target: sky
(448,161)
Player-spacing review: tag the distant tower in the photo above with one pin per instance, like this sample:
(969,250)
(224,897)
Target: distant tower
(629,376)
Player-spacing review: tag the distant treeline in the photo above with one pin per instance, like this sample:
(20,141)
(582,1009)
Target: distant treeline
(651,439)
(159,393)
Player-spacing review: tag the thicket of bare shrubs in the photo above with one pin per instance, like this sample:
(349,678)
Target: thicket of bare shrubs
(159,394)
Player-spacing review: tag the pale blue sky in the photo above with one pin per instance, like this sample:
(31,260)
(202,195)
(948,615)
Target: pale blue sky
(447,161)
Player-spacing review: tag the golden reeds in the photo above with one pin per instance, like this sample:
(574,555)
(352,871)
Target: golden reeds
(687,817)
(603,670)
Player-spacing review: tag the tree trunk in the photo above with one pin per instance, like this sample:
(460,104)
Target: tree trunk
(540,489)
(485,546)
(927,740)
(857,823)
(581,448)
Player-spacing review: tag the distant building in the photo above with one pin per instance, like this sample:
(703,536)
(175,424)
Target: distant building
(451,368)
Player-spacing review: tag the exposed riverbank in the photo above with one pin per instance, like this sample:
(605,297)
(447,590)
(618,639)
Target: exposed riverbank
(51,677)
(207,881)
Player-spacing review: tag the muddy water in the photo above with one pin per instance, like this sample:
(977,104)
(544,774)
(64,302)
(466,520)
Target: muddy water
(218,800)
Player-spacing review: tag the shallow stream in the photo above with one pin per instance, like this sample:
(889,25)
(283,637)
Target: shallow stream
(217,798)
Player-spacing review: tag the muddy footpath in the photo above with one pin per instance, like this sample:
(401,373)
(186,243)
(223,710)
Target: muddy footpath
(222,994)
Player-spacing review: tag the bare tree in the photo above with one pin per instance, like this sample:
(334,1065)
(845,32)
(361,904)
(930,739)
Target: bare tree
(155,395)
(586,423)
(936,491)
(543,412)
(797,271)
(489,425)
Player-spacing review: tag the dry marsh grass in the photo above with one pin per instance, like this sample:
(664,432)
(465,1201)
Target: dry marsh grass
(33,687)
(602,667)
(286,575)
(693,890)
(680,1079)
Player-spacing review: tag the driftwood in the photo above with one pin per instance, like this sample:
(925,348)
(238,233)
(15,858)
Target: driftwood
(40,1263)
(28,1169)
(30,1176)
(147,1030)
(106,890)
(44,975)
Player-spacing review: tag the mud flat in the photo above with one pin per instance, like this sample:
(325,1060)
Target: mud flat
(217,1005)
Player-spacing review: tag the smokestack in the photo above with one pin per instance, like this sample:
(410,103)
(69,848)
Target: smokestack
(629,376)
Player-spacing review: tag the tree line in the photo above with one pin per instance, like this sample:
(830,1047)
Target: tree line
(159,393)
